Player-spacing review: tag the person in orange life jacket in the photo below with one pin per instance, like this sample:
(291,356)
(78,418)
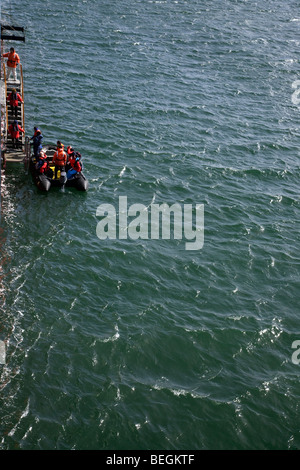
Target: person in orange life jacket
(59,145)
(42,164)
(36,130)
(13,99)
(12,61)
(59,159)
(14,130)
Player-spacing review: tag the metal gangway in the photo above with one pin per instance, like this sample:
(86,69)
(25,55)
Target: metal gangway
(8,150)
(14,154)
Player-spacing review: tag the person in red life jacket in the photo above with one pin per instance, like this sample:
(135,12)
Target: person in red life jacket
(75,163)
(70,150)
(14,130)
(12,61)
(42,163)
(70,155)
(59,159)
(13,99)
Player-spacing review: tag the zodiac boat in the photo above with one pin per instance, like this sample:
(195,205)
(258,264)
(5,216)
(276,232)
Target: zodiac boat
(44,181)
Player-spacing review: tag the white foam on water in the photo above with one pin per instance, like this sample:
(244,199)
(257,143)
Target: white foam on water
(2,352)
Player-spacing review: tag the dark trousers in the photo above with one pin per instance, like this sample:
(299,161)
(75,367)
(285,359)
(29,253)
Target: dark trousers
(15,143)
(14,111)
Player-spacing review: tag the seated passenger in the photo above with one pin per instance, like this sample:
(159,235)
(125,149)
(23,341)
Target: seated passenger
(75,163)
(42,164)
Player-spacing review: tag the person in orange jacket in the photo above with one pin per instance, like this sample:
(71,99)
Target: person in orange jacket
(12,61)
(13,99)
(59,158)
(36,132)
(14,130)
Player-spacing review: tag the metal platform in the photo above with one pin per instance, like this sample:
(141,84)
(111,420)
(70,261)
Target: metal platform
(14,156)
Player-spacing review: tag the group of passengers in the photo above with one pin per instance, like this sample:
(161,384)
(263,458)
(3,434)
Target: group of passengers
(69,161)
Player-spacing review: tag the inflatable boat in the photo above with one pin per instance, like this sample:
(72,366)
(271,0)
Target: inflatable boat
(44,181)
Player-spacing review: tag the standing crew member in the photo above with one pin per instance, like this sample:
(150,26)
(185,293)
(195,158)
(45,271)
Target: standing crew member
(36,130)
(37,143)
(12,61)
(59,159)
(13,99)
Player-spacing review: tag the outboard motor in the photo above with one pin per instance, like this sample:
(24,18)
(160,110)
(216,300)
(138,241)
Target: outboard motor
(63,178)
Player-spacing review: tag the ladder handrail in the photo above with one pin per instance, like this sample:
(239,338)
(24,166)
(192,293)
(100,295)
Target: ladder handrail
(27,154)
(6,108)
(22,94)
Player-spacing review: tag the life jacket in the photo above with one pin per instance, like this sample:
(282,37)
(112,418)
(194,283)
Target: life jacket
(14,98)
(77,166)
(37,131)
(12,59)
(75,161)
(14,130)
(42,165)
(37,139)
(60,157)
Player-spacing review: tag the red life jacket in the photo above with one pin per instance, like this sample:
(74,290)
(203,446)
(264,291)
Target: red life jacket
(42,165)
(14,99)
(75,164)
(14,130)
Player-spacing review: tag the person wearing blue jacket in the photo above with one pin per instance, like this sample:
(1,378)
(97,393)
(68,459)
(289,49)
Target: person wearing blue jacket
(37,143)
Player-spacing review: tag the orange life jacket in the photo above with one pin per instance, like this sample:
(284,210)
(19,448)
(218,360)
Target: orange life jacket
(60,157)
(12,59)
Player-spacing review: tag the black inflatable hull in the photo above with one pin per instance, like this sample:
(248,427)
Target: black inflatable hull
(44,182)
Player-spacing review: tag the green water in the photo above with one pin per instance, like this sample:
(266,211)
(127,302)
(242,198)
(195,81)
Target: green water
(141,344)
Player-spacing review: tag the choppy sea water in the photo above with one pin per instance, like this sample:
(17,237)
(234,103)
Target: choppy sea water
(142,344)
